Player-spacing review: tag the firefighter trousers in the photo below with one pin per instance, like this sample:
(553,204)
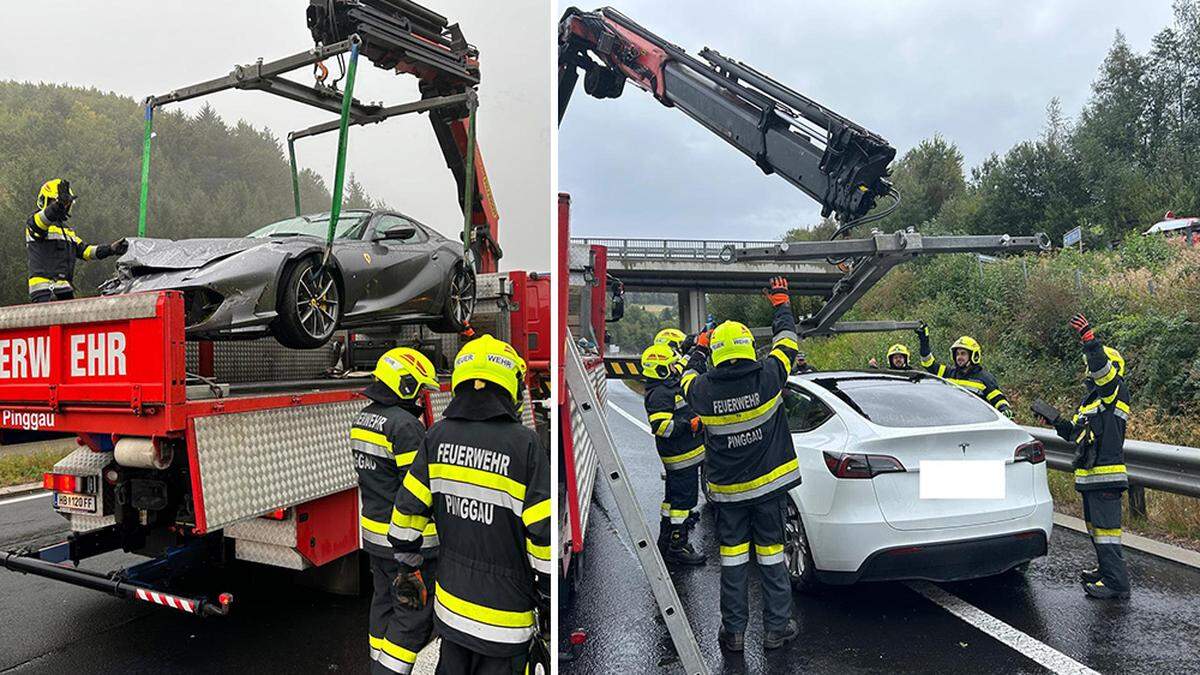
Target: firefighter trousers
(454,659)
(50,295)
(754,531)
(1102,515)
(396,634)
(682,491)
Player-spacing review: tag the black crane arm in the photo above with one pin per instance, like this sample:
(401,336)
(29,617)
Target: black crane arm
(839,163)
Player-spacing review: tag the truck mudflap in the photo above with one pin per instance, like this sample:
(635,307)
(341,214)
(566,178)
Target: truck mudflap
(133,583)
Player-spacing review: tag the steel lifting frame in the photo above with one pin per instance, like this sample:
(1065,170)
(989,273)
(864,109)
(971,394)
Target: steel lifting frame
(872,258)
(596,426)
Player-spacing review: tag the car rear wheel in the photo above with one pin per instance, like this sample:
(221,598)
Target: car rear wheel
(797,555)
(460,301)
(310,307)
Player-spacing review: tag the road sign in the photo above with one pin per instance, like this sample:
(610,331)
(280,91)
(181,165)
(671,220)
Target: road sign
(1073,236)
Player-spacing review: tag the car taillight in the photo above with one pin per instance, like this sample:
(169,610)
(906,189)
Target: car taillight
(62,482)
(277,514)
(861,466)
(1033,452)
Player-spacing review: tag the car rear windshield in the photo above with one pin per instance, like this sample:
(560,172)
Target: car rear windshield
(317,225)
(925,402)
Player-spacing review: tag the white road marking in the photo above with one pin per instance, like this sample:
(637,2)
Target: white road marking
(1045,655)
(26,498)
(635,421)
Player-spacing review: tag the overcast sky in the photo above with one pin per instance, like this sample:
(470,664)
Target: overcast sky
(139,48)
(980,73)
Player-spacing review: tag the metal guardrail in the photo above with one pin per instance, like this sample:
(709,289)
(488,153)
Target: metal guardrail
(1158,466)
(707,250)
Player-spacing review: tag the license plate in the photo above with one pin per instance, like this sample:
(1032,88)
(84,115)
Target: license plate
(962,479)
(75,503)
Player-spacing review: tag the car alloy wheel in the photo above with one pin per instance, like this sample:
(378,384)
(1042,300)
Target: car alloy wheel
(317,301)
(462,295)
(795,544)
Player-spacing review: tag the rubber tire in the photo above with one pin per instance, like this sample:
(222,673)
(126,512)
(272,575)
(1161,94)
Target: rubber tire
(1020,570)
(806,581)
(286,326)
(448,323)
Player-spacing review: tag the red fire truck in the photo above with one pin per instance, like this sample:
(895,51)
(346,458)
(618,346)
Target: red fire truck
(206,453)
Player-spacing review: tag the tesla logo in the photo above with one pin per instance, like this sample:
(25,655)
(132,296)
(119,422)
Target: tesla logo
(964,447)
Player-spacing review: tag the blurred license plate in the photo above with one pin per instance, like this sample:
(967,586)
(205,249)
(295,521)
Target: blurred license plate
(75,503)
(962,479)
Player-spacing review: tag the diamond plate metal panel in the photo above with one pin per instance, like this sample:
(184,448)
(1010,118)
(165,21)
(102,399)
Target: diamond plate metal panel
(80,523)
(88,310)
(439,400)
(267,554)
(263,360)
(83,462)
(586,462)
(579,256)
(265,531)
(254,462)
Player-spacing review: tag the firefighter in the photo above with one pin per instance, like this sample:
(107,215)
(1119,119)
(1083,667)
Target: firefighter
(751,464)
(384,439)
(897,358)
(801,365)
(484,478)
(52,247)
(967,371)
(680,443)
(1098,431)
(673,338)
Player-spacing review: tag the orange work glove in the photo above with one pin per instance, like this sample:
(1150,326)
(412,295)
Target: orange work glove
(703,338)
(777,292)
(696,425)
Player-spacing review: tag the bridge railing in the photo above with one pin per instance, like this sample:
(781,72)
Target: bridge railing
(691,250)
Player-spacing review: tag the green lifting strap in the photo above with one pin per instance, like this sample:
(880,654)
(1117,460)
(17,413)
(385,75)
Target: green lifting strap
(339,174)
(469,180)
(145,191)
(295,175)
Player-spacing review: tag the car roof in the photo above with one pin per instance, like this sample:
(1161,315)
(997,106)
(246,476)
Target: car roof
(880,375)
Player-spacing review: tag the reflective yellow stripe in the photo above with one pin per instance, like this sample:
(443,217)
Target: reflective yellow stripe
(40,221)
(678,513)
(674,459)
(36,281)
(661,416)
(367,436)
(536,513)
(1101,470)
(994,394)
(787,365)
(495,617)
(374,525)
(539,552)
(787,342)
(1102,532)
(430,530)
(770,549)
(972,384)
(404,459)
(89,253)
(927,361)
(419,490)
(1085,409)
(780,470)
(686,380)
(745,415)
(486,479)
(739,549)
(1110,398)
(398,652)
(1123,407)
(1106,377)
(411,522)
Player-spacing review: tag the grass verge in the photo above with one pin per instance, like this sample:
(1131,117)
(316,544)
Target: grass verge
(21,469)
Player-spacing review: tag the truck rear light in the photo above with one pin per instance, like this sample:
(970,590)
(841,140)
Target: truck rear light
(277,514)
(62,482)
(851,465)
(1033,452)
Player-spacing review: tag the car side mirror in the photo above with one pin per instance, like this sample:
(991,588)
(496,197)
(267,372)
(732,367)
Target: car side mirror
(405,232)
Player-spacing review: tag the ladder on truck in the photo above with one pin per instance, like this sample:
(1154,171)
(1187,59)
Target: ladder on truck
(596,427)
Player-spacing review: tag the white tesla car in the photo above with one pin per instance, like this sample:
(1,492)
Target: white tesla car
(864,513)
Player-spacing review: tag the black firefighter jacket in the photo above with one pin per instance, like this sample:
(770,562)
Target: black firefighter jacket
(52,248)
(972,377)
(384,439)
(749,456)
(1098,426)
(671,422)
(484,478)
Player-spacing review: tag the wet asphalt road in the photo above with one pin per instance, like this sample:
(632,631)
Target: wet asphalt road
(275,626)
(886,627)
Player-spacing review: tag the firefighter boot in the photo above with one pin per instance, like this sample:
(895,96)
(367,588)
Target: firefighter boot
(679,551)
(733,642)
(1089,576)
(664,535)
(1101,592)
(692,519)
(774,639)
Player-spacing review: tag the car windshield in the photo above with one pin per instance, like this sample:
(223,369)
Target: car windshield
(350,226)
(909,403)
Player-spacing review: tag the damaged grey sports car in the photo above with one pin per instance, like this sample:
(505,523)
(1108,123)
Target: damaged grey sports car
(386,269)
